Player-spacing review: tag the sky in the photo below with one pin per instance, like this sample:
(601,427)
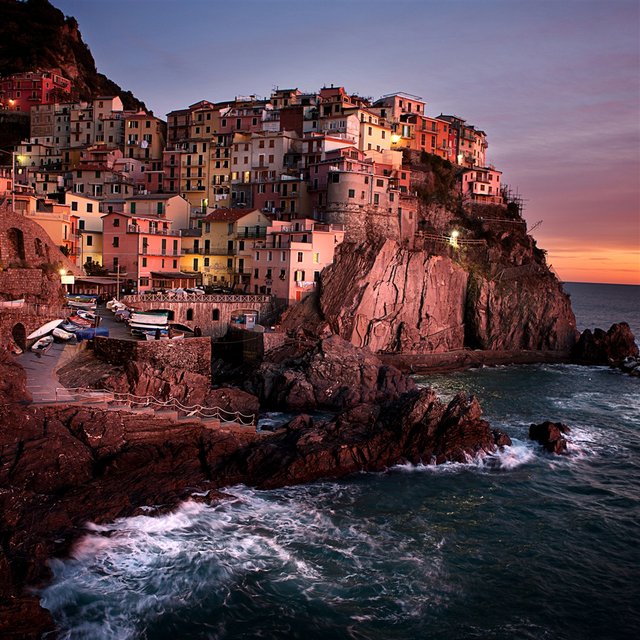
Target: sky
(555,84)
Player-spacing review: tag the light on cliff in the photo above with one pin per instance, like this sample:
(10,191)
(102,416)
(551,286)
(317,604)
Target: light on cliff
(453,239)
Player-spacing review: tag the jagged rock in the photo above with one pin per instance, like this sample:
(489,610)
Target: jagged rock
(528,312)
(606,348)
(549,435)
(13,380)
(331,374)
(389,299)
(501,439)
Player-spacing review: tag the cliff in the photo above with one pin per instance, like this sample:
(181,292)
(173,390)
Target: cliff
(36,35)
(491,289)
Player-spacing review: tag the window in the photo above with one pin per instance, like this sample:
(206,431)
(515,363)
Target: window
(335,177)
(175,264)
(379,183)
(89,241)
(316,258)
(300,256)
(283,256)
(299,276)
(74,206)
(283,274)
(207,262)
(269,256)
(195,264)
(256,273)
(144,262)
(376,198)
(89,208)
(189,314)
(116,241)
(133,207)
(352,193)
(215,314)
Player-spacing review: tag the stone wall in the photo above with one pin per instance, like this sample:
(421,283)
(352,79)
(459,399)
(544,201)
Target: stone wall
(364,223)
(190,354)
(200,311)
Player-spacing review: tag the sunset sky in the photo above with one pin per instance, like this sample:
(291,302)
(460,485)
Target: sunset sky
(555,84)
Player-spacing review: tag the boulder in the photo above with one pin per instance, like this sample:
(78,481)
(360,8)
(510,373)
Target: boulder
(550,436)
(610,347)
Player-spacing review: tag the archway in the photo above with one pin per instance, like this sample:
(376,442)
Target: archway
(19,335)
(16,244)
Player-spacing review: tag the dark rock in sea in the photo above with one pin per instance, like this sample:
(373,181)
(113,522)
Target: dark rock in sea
(606,347)
(549,435)
(631,366)
(501,439)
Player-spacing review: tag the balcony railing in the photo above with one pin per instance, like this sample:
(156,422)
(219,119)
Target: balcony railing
(131,228)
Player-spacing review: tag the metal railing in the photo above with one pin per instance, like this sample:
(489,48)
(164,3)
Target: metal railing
(133,401)
(196,297)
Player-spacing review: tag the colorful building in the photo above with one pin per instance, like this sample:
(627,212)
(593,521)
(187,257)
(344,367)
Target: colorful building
(288,261)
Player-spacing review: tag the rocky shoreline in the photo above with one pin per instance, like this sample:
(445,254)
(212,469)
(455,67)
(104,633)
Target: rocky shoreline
(62,466)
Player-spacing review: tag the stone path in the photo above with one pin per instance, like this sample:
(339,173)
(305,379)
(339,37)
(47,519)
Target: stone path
(42,380)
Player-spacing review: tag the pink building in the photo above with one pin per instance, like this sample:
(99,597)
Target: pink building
(137,245)
(287,264)
(22,91)
(482,185)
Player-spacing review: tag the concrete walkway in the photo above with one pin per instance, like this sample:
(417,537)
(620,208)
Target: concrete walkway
(42,380)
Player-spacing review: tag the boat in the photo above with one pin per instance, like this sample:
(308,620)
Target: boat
(150,317)
(61,334)
(12,304)
(45,329)
(43,345)
(87,315)
(147,327)
(82,302)
(81,322)
(70,327)
(115,305)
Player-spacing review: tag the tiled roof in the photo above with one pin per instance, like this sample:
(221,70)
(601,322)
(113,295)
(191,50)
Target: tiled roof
(227,215)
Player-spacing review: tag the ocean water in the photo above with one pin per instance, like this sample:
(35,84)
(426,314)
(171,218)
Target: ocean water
(519,544)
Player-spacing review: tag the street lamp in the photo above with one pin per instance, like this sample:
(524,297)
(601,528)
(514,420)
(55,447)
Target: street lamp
(13,178)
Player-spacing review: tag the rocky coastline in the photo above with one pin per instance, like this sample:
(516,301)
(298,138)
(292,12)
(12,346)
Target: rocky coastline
(62,466)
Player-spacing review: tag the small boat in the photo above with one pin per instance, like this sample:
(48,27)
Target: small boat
(61,334)
(43,345)
(150,317)
(70,327)
(147,327)
(114,305)
(87,315)
(12,304)
(45,329)
(81,322)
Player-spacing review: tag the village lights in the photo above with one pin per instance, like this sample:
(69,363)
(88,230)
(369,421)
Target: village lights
(453,239)
(13,176)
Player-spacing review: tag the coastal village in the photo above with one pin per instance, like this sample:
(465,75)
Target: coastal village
(249,196)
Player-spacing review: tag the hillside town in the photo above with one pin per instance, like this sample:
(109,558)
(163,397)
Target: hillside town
(248,195)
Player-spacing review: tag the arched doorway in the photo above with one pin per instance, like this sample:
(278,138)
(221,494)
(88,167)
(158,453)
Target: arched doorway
(19,335)
(16,244)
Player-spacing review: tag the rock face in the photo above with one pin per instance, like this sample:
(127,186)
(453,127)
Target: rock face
(395,300)
(332,374)
(529,312)
(549,435)
(606,347)
(389,299)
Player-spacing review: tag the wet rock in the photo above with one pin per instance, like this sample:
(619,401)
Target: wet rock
(501,439)
(550,436)
(610,347)
(331,373)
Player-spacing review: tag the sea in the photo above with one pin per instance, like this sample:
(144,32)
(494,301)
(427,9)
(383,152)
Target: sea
(520,544)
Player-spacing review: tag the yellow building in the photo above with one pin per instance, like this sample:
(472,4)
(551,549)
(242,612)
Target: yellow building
(228,238)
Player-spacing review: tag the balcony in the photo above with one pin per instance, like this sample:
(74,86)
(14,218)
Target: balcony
(194,250)
(131,228)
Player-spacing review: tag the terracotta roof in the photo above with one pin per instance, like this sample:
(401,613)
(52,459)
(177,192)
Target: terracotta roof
(227,215)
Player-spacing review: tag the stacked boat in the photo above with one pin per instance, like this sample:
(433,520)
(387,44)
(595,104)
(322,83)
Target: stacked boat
(82,301)
(149,324)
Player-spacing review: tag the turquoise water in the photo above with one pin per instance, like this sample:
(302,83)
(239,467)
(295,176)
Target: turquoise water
(516,545)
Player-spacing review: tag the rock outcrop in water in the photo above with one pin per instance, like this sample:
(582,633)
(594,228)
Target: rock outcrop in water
(550,436)
(601,347)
